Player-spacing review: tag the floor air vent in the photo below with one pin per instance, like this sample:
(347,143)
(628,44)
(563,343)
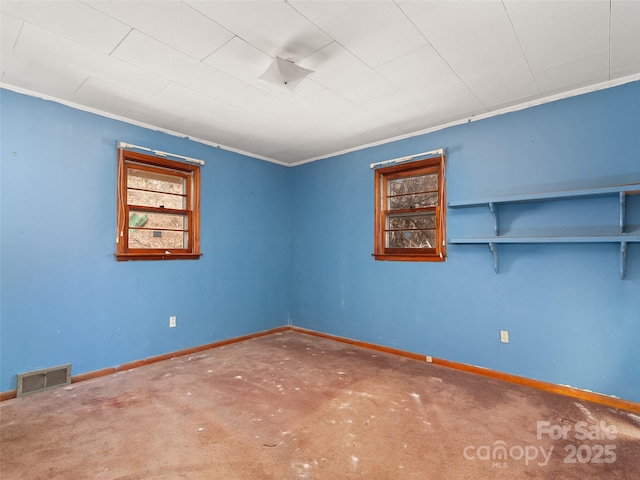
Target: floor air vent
(38,380)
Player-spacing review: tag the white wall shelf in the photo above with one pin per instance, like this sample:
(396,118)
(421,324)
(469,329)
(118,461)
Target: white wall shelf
(622,237)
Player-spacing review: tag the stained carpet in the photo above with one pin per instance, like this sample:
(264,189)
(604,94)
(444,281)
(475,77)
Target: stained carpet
(293,406)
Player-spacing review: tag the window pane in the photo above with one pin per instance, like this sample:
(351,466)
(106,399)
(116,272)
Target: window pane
(157,182)
(411,222)
(154,199)
(411,239)
(411,231)
(167,221)
(157,239)
(420,183)
(420,200)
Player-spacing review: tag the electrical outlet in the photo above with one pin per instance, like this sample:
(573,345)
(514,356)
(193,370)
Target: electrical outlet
(172,322)
(504,336)
(429,359)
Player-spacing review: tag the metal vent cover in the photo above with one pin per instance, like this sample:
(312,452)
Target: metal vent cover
(39,380)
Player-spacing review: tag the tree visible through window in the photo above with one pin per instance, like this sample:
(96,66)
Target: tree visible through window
(158,208)
(410,211)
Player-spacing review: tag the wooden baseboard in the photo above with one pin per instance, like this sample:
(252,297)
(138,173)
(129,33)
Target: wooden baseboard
(506,377)
(94,374)
(9,394)
(485,372)
(546,386)
(357,343)
(198,349)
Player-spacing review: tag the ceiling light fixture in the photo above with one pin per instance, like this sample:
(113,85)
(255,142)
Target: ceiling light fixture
(285,74)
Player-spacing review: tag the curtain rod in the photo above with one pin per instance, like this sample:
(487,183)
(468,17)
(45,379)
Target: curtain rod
(160,153)
(439,151)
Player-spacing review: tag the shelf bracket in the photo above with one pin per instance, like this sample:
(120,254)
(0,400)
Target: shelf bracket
(623,219)
(623,259)
(493,208)
(494,250)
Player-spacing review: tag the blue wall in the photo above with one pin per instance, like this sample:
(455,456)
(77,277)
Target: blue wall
(64,298)
(294,246)
(571,319)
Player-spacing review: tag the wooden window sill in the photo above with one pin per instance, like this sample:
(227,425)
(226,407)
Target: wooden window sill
(408,257)
(124,257)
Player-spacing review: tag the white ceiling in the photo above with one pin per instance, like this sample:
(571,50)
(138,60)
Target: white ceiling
(383,69)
